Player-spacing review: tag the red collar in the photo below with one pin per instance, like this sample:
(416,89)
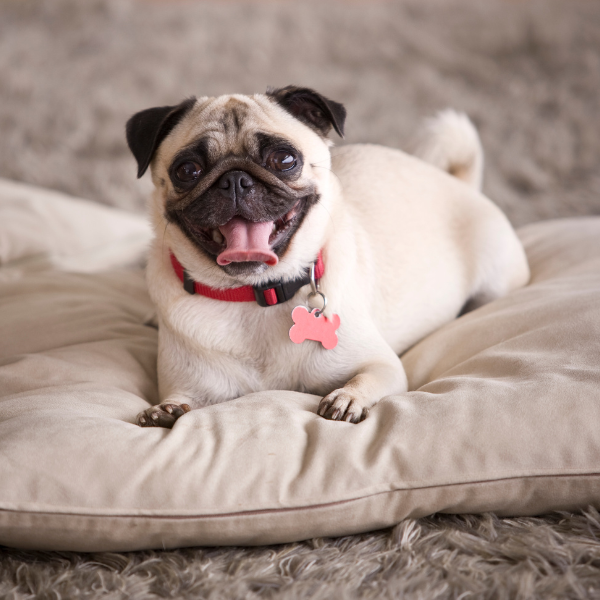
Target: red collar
(269,294)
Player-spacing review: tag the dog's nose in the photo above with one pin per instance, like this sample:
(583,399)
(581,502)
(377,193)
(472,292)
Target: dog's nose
(235,184)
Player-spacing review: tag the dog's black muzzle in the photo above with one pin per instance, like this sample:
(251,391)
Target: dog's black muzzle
(234,187)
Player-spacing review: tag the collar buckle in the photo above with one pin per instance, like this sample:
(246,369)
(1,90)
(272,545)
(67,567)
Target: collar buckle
(277,292)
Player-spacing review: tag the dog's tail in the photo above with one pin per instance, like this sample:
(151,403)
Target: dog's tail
(450,142)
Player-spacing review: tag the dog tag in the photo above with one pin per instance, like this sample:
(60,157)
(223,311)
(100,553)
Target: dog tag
(315,326)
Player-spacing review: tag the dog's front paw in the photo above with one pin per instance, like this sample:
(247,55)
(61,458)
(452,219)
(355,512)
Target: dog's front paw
(162,415)
(342,405)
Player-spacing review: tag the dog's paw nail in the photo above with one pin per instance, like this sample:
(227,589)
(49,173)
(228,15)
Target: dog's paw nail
(142,420)
(186,407)
(336,414)
(155,416)
(328,414)
(169,408)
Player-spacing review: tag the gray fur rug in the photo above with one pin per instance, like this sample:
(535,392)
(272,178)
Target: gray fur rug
(528,73)
(459,557)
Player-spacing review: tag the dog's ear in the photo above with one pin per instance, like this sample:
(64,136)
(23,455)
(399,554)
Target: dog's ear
(311,108)
(148,128)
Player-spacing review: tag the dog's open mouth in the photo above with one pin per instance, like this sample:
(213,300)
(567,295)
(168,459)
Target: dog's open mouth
(241,240)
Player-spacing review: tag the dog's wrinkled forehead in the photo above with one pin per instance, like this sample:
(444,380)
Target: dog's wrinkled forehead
(227,125)
(232,126)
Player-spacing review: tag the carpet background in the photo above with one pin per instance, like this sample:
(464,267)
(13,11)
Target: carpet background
(526,71)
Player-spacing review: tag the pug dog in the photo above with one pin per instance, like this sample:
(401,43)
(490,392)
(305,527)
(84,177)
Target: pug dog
(281,264)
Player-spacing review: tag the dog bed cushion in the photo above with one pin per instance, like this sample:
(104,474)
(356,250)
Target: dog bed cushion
(504,414)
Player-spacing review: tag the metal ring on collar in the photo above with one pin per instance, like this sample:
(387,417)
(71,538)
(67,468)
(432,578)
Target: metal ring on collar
(313,284)
(317,293)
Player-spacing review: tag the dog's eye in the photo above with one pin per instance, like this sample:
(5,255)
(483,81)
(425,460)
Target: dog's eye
(281,160)
(188,171)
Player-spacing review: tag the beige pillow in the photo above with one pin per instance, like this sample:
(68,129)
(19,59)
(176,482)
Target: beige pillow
(506,418)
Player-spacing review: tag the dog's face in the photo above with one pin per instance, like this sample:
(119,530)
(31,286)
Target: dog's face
(239,180)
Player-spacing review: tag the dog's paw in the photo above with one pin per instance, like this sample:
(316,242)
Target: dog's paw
(342,405)
(162,415)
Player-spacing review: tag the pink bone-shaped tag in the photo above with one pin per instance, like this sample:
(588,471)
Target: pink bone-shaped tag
(309,326)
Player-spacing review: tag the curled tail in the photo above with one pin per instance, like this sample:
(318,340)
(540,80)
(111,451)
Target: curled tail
(450,142)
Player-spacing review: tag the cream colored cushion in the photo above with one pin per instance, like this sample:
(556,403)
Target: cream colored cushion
(506,418)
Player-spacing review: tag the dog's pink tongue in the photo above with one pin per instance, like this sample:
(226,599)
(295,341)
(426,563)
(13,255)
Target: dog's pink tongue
(247,241)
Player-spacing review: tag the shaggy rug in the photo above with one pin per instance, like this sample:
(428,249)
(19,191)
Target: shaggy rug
(551,558)
(528,73)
